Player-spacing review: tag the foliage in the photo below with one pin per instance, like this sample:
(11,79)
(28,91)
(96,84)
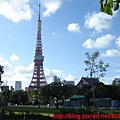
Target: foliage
(86,91)
(6,97)
(1,99)
(27,115)
(33,97)
(19,97)
(81,110)
(57,91)
(113,92)
(23,116)
(1,72)
(100,91)
(1,69)
(108,6)
(97,68)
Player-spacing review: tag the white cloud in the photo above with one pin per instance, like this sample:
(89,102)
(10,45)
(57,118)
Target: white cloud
(111,53)
(73,27)
(71,78)
(100,42)
(30,67)
(118,42)
(49,74)
(20,73)
(15,10)
(24,74)
(54,33)
(5,63)
(23,71)
(14,57)
(51,6)
(7,68)
(11,74)
(98,21)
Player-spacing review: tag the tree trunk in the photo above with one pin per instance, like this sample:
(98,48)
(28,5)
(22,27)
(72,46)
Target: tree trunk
(57,104)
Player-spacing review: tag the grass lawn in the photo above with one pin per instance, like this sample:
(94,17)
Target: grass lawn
(44,111)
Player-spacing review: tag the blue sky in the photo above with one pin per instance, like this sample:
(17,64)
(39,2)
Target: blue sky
(69,29)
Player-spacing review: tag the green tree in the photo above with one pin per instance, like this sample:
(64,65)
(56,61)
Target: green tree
(19,97)
(87,91)
(113,92)
(56,90)
(108,6)
(96,68)
(1,72)
(6,94)
(1,99)
(33,97)
(101,91)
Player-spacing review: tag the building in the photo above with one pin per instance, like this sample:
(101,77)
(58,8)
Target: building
(68,82)
(4,88)
(38,77)
(116,81)
(101,102)
(18,85)
(11,88)
(56,79)
(75,101)
(87,81)
(26,88)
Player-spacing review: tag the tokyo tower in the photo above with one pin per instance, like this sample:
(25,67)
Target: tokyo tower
(38,78)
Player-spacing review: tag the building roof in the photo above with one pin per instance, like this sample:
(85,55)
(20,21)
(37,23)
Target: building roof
(97,99)
(77,96)
(67,100)
(87,81)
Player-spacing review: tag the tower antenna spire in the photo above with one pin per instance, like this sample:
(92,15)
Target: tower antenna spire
(39,10)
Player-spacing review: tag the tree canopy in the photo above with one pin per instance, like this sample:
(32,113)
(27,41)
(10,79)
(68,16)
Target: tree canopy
(57,91)
(18,97)
(97,68)
(1,72)
(108,6)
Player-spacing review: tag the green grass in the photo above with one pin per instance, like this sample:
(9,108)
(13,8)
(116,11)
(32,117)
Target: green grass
(45,111)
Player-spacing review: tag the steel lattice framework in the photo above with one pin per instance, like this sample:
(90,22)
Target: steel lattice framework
(38,78)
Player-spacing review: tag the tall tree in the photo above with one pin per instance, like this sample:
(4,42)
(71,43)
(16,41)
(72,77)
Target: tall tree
(108,6)
(19,97)
(6,94)
(1,72)
(58,91)
(96,68)
(33,97)
(1,99)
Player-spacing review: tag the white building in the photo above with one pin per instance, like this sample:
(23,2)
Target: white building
(56,79)
(68,82)
(116,81)
(18,85)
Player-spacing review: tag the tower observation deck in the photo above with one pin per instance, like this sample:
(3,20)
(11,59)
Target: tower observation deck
(38,78)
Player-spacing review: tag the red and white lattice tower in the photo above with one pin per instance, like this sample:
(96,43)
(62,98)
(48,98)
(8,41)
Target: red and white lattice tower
(38,78)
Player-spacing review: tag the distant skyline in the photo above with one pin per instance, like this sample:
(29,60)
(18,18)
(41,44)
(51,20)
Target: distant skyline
(69,29)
